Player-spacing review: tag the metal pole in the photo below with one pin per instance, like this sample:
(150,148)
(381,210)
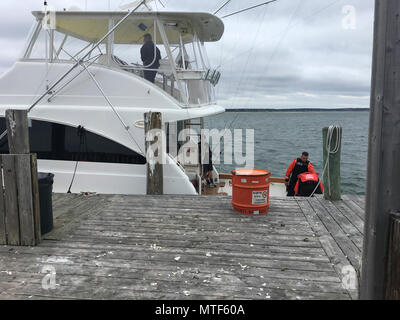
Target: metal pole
(383,182)
(126,127)
(184,97)
(247,9)
(182,52)
(223,6)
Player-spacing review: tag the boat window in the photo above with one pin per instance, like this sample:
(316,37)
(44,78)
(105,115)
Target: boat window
(64,47)
(51,141)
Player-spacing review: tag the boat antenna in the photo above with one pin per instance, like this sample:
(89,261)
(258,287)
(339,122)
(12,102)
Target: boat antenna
(247,9)
(223,6)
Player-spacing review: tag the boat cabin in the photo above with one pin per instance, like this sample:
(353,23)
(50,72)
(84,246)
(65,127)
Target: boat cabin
(185,71)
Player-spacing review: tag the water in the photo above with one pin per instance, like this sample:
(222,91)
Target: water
(281,137)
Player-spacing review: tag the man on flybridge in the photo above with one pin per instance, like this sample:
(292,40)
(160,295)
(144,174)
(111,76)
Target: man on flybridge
(151,57)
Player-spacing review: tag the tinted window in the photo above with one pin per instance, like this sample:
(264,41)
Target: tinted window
(52,141)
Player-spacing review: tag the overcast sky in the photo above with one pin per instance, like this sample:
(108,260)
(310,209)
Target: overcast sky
(291,53)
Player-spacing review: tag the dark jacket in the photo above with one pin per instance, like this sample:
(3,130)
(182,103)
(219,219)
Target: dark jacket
(298,167)
(147,55)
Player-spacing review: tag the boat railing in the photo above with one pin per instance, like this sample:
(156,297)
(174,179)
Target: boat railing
(198,84)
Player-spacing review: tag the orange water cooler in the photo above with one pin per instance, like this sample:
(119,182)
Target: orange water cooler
(250,194)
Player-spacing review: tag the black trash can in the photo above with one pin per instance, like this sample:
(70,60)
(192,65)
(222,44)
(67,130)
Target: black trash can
(46,203)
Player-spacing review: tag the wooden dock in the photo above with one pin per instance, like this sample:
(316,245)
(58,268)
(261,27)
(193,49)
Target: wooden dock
(186,247)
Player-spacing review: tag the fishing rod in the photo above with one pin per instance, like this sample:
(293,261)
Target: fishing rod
(247,9)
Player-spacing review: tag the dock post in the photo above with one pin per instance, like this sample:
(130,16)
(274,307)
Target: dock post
(393,267)
(3,234)
(153,135)
(17,131)
(332,179)
(383,171)
(19,205)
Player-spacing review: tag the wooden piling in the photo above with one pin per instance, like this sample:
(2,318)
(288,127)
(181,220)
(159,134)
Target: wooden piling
(25,199)
(19,192)
(17,131)
(11,202)
(153,126)
(35,198)
(393,266)
(383,184)
(3,235)
(332,179)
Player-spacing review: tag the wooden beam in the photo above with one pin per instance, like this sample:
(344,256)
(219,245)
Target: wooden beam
(228,176)
(35,198)
(278,180)
(25,201)
(153,124)
(393,267)
(383,183)
(11,200)
(22,212)
(225,176)
(17,131)
(3,235)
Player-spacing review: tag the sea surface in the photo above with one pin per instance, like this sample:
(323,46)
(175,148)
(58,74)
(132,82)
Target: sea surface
(281,137)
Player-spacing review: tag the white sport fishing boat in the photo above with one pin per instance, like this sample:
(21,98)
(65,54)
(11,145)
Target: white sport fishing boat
(88,128)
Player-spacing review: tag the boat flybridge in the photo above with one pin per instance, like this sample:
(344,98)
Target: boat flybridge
(89,127)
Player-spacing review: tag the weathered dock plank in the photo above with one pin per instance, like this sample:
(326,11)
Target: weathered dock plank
(329,241)
(186,247)
(342,239)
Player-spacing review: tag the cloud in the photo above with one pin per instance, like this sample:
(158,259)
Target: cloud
(292,53)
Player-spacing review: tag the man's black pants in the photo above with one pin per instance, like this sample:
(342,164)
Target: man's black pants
(290,190)
(150,75)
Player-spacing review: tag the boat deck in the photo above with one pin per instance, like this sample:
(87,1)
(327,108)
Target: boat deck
(187,247)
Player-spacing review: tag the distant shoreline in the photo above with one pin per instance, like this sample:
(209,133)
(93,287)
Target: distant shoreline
(300,110)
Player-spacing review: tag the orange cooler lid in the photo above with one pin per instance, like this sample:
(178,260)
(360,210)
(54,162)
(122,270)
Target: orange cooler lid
(250,172)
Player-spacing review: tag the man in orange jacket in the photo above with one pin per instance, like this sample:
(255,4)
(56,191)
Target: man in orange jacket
(298,166)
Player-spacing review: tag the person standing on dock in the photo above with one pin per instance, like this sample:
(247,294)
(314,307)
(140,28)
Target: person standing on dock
(150,62)
(297,167)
